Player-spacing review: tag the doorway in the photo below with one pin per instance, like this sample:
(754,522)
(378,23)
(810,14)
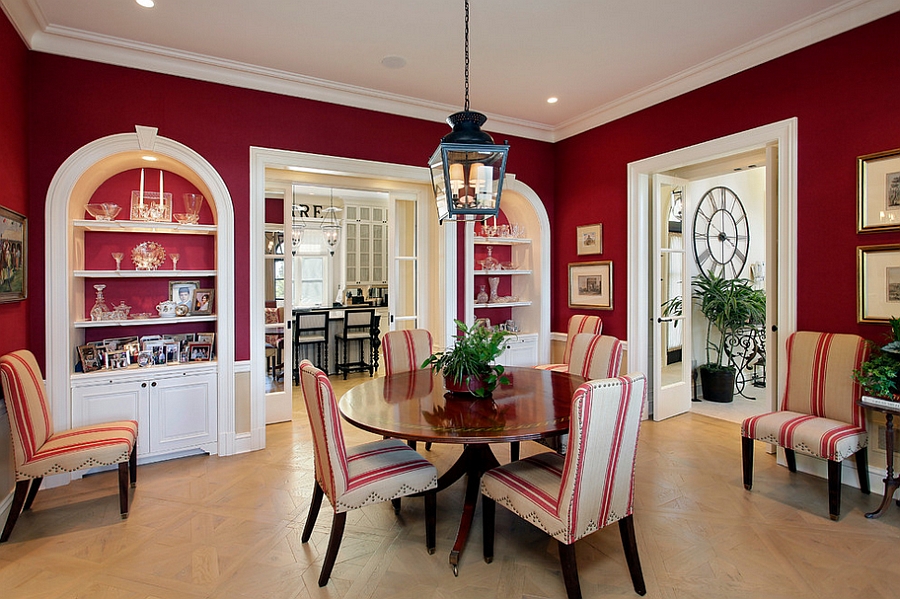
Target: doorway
(646,302)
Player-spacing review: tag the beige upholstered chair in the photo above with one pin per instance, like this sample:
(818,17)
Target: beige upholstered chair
(353,477)
(404,351)
(578,323)
(819,414)
(591,487)
(40,452)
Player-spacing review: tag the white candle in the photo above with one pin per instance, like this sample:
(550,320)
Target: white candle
(141,194)
(162,198)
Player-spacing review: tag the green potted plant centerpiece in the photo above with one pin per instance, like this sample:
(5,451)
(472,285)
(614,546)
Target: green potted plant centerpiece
(879,376)
(729,305)
(468,366)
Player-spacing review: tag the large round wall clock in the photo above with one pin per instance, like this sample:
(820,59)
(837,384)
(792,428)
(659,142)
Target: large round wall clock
(721,233)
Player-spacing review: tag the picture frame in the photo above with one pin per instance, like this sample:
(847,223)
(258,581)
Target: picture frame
(203,301)
(589,239)
(206,338)
(182,292)
(117,359)
(173,352)
(878,283)
(150,208)
(199,352)
(13,256)
(590,285)
(878,191)
(90,360)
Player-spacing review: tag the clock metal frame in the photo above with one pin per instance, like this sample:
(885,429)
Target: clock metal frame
(721,233)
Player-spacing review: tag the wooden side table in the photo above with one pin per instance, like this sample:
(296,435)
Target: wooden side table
(891,482)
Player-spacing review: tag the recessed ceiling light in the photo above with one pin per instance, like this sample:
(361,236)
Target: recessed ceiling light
(146,3)
(393,62)
(552,100)
(150,158)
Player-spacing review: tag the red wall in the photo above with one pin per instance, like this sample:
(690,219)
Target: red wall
(15,332)
(74,102)
(845,92)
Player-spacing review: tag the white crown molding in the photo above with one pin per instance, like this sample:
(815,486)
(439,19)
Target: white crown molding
(39,36)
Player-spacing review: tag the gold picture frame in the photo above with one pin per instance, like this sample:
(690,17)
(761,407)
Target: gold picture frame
(878,191)
(878,283)
(13,256)
(589,239)
(591,285)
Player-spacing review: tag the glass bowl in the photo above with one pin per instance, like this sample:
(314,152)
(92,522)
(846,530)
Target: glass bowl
(186,219)
(103,211)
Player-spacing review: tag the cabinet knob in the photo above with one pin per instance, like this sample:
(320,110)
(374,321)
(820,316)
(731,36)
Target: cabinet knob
(143,385)
(153,384)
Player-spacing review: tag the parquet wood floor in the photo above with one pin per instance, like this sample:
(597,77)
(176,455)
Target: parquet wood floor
(230,528)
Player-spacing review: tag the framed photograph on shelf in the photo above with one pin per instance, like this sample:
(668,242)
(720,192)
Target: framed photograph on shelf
(199,352)
(182,292)
(90,360)
(203,301)
(590,285)
(878,282)
(590,239)
(117,359)
(13,256)
(878,191)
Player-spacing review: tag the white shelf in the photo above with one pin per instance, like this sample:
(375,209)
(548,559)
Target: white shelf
(141,274)
(156,321)
(502,305)
(103,374)
(500,240)
(138,226)
(495,273)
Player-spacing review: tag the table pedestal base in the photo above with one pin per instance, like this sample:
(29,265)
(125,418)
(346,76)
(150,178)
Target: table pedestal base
(891,482)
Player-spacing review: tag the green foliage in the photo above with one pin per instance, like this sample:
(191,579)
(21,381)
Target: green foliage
(728,305)
(475,349)
(879,375)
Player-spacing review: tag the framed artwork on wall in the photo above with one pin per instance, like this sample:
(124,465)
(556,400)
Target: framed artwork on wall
(590,239)
(878,283)
(13,257)
(590,285)
(878,191)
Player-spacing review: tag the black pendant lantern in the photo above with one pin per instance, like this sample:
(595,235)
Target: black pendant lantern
(467,168)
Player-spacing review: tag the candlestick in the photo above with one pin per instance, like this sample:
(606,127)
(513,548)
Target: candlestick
(162,198)
(141,194)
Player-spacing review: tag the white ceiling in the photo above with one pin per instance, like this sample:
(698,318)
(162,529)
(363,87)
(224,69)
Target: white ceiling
(603,59)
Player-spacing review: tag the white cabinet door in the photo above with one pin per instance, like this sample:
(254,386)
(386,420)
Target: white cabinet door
(111,401)
(183,413)
(520,351)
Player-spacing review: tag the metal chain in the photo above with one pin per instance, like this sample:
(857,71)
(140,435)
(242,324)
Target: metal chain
(467,55)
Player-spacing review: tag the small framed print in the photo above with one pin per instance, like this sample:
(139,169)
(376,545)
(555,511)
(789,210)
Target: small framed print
(13,256)
(878,191)
(118,359)
(199,352)
(90,360)
(203,301)
(590,239)
(878,274)
(590,285)
(182,292)
(173,352)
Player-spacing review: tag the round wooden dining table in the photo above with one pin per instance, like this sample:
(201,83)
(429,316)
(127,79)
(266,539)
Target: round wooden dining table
(416,407)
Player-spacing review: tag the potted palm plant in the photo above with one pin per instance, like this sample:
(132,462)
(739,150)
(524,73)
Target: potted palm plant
(729,305)
(468,366)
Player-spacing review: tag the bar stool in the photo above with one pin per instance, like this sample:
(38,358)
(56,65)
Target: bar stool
(311,329)
(359,327)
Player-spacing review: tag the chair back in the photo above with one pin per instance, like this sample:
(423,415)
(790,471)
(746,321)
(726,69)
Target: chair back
(580,323)
(597,486)
(595,356)
(310,324)
(26,401)
(325,422)
(404,351)
(358,323)
(820,376)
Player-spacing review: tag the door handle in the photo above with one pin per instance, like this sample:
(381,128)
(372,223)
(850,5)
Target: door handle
(661,320)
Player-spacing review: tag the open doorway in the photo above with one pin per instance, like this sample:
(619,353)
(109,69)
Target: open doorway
(777,142)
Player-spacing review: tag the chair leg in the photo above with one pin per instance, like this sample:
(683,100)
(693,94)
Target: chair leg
(334,544)
(123,489)
(862,469)
(428,446)
(834,489)
(747,461)
(791,458)
(430,520)
(569,570)
(396,503)
(15,509)
(629,542)
(314,506)
(132,464)
(514,451)
(35,485)
(488,510)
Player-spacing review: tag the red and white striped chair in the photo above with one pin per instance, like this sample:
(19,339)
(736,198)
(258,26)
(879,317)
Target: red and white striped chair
(40,452)
(404,351)
(357,476)
(591,487)
(819,414)
(578,323)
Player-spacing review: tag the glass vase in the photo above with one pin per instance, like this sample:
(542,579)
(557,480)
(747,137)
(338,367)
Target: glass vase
(494,282)
(482,297)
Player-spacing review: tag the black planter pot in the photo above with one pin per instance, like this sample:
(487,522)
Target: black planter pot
(718,385)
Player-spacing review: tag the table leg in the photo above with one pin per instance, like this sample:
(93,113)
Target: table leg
(891,482)
(478,459)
